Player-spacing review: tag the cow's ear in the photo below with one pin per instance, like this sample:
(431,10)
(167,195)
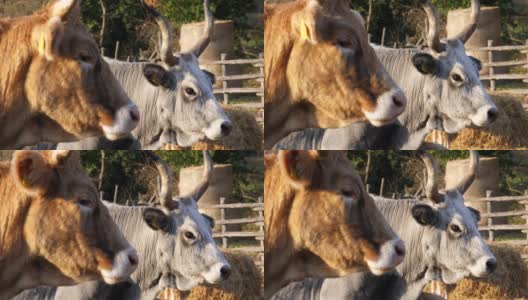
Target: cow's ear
(209,220)
(157,75)
(47,38)
(307,22)
(475,213)
(211,76)
(477,62)
(298,166)
(156,219)
(425,63)
(425,215)
(32,172)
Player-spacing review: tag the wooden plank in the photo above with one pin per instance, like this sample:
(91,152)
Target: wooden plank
(249,249)
(500,199)
(250,105)
(239,77)
(505,63)
(503,227)
(504,77)
(240,221)
(512,242)
(238,234)
(240,90)
(506,214)
(233,62)
(233,205)
(499,48)
(514,92)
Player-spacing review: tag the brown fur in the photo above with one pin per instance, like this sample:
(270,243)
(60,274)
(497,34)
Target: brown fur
(311,83)
(309,230)
(45,95)
(45,239)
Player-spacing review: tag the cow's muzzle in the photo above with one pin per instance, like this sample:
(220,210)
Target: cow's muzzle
(388,107)
(125,263)
(125,120)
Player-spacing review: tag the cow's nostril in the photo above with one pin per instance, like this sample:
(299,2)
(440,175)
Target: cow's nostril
(493,113)
(399,99)
(225,272)
(133,259)
(491,265)
(226,128)
(134,114)
(399,248)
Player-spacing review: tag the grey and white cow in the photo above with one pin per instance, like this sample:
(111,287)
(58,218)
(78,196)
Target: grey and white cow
(174,243)
(442,86)
(443,244)
(175,97)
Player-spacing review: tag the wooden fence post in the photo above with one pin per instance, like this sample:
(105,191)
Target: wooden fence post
(490,218)
(383,37)
(382,184)
(261,225)
(116,50)
(224,82)
(116,189)
(222,217)
(491,68)
(526,216)
(368,188)
(261,69)
(102,51)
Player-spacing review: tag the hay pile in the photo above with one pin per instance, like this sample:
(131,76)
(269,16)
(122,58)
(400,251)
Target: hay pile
(507,132)
(243,284)
(247,134)
(509,281)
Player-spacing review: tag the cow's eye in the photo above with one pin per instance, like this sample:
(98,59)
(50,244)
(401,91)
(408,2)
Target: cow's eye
(189,235)
(84,203)
(190,91)
(348,193)
(85,58)
(457,78)
(456,228)
(343,43)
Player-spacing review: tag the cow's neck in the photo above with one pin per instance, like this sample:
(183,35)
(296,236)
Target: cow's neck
(398,63)
(14,254)
(415,268)
(131,223)
(131,78)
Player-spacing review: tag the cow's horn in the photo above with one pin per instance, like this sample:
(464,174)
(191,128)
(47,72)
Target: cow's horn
(466,182)
(166,36)
(203,42)
(431,186)
(165,193)
(433,34)
(200,189)
(466,33)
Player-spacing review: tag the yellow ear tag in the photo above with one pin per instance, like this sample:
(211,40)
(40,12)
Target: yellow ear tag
(304,31)
(42,44)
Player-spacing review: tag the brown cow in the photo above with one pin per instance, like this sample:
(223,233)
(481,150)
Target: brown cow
(54,84)
(53,228)
(320,221)
(320,70)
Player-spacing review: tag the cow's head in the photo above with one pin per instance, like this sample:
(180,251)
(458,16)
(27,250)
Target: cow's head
(187,254)
(453,91)
(331,70)
(451,240)
(67,228)
(69,83)
(187,108)
(319,203)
